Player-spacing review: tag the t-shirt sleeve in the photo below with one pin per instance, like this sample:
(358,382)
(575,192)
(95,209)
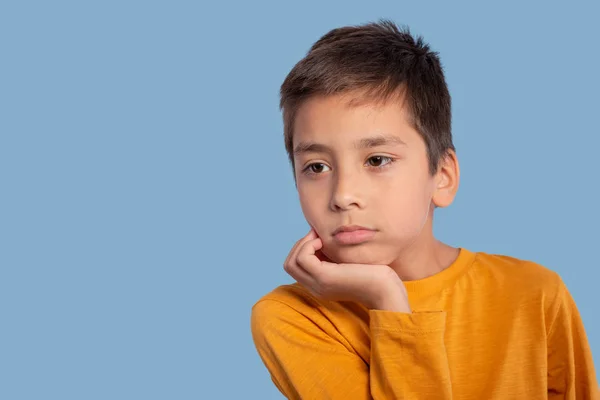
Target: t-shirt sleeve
(571,373)
(408,356)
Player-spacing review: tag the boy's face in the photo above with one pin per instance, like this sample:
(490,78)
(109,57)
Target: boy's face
(349,175)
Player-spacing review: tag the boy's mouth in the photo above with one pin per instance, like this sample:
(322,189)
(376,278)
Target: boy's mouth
(353,234)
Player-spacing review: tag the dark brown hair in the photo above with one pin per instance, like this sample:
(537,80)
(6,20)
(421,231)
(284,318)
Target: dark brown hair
(379,60)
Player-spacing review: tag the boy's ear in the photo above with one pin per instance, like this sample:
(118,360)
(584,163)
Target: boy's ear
(446,180)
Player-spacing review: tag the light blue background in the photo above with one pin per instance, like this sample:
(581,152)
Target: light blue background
(146,201)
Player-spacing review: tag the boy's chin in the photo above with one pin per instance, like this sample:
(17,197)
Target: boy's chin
(354,255)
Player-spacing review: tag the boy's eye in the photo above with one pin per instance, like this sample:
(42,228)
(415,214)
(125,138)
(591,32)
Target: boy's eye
(316,168)
(378,161)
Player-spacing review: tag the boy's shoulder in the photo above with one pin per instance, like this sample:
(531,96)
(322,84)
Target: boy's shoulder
(288,308)
(517,272)
(293,295)
(515,283)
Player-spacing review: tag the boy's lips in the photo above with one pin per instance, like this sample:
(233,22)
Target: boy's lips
(353,234)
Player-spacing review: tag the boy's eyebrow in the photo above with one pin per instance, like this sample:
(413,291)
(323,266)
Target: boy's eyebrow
(381,140)
(365,143)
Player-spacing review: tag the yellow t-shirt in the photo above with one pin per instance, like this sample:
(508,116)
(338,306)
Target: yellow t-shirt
(486,327)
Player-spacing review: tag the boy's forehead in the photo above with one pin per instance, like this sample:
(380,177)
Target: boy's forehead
(347,118)
(353,100)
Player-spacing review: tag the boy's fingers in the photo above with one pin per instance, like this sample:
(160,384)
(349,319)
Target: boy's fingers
(295,248)
(307,258)
(294,270)
(302,277)
(290,259)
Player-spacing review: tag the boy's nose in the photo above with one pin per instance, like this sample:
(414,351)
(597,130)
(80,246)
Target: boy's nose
(345,194)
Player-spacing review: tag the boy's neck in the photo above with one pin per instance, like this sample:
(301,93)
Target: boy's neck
(423,259)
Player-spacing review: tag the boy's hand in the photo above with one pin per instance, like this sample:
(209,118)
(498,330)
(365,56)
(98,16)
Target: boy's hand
(375,286)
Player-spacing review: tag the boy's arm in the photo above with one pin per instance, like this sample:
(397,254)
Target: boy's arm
(571,373)
(408,356)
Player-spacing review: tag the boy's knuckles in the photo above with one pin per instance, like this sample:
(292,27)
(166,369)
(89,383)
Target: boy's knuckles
(287,267)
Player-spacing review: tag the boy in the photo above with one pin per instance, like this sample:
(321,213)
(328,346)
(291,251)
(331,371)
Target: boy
(381,309)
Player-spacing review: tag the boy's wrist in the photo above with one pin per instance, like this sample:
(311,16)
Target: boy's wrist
(392,297)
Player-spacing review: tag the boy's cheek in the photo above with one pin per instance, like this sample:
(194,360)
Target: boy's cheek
(316,229)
